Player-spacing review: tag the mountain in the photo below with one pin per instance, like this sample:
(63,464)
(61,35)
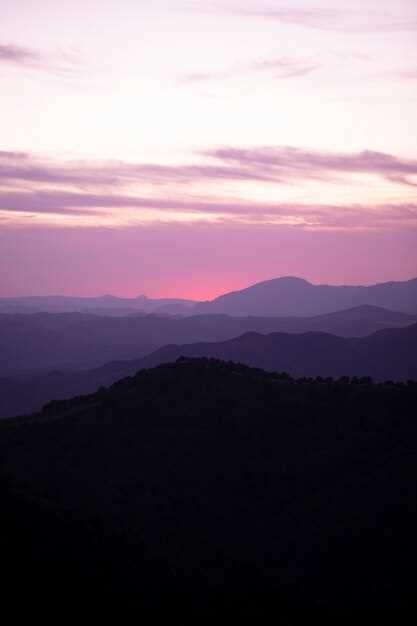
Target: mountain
(279,297)
(240,491)
(387,354)
(295,296)
(66,341)
(101,305)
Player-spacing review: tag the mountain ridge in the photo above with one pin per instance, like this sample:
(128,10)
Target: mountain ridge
(296,296)
(397,295)
(43,341)
(384,355)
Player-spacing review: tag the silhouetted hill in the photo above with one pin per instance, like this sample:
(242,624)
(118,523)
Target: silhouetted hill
(295,296)
(387,354)
(249,491)
(45,341)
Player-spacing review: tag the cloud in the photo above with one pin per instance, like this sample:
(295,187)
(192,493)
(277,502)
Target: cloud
(43,203)
(285,67)
(201,77)
(306,215)
(286,163)
(313,18)
(278,68)
(18,54)
(12,155)
(59,62)
(15,167)
(115,189)
(338,20)
(277,165)
(407,74)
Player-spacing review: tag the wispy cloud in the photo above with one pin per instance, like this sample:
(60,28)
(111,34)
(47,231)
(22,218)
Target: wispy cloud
(46,202)
(304,215)
(334,19)
(407,74)
(264,164)
(4,154)
(25,168)
(288,163)
(58,62)
(277,68)
(114,190)
(18,55)
(285,67)
(201,77)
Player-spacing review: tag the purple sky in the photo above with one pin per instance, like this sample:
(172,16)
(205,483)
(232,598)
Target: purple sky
(189,148)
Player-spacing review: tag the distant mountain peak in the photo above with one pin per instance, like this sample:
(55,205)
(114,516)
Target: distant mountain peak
(294,296)
(108,296)
(293,279)
(284,280)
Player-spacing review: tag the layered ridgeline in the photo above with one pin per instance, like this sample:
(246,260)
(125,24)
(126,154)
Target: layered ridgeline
(48,355)
(285,296)
(65,341)
(249,490)
(386,354)
(389,354)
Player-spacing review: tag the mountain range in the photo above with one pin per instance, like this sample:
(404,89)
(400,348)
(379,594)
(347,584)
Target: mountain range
(100,305)
(384,355)
(295,296)
(285,296)
(55,347)
(42,342)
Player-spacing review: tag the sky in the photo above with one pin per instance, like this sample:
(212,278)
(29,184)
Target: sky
(187,148)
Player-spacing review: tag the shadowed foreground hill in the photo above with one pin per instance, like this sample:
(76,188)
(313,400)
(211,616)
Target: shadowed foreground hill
(249,490)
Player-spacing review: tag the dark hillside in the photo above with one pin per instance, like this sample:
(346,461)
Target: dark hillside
(217,479)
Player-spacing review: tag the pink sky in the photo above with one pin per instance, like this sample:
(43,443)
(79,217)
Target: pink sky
(188,148)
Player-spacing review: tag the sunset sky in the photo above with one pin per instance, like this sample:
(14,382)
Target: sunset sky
(186,148)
